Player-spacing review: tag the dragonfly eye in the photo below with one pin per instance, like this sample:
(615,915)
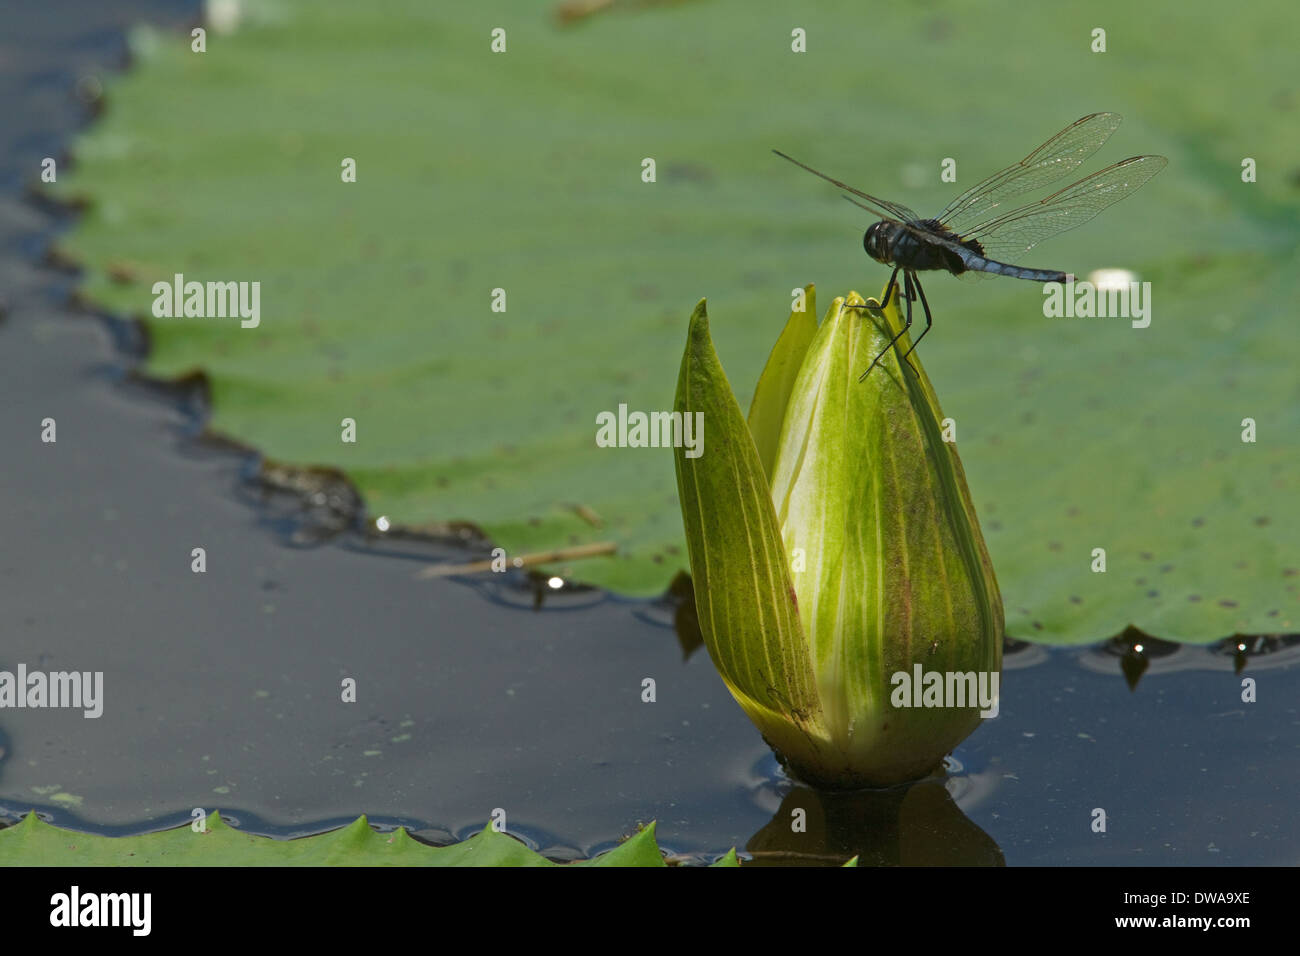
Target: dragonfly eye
(871,242)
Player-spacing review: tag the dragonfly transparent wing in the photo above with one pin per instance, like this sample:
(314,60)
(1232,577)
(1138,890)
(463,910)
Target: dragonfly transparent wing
(1055,159)
(1009,236)
(882,207)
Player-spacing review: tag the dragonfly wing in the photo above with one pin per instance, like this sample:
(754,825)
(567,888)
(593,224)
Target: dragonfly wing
(1009,236)
(882,207)
(1055,159)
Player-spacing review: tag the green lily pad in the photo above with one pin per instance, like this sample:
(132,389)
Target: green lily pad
(36,843)
(522,171)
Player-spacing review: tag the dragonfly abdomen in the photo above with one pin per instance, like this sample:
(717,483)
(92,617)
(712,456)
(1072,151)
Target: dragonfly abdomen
(975,263)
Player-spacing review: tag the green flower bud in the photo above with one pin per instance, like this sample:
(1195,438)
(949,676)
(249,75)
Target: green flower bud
(842,584)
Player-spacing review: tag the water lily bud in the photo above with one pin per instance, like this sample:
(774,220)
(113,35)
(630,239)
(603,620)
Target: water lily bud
(895,573)
(841,580)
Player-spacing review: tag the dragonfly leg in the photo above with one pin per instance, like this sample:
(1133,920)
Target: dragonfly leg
(907,297)
(888,289)
(926,305)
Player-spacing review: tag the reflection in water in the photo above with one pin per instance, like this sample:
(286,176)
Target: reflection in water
(1260,651)
(311,505)
(675,608)
(914,825)
(1140,653)
(534,590)
(686,620)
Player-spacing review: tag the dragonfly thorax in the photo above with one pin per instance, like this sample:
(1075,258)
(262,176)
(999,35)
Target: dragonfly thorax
(918,246)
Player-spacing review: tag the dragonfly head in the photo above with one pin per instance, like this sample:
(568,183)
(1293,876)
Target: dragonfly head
(876,242)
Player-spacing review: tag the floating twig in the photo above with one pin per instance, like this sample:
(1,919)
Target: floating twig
(522,560)
(588,515)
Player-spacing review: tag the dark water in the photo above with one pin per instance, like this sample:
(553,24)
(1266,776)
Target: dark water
(222,689)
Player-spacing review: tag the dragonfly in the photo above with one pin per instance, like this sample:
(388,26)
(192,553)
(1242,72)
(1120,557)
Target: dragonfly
(975,236)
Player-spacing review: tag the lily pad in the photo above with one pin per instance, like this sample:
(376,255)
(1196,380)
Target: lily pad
(36,843)
(523,171)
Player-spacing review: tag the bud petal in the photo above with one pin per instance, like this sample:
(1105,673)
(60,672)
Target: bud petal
(743,594)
